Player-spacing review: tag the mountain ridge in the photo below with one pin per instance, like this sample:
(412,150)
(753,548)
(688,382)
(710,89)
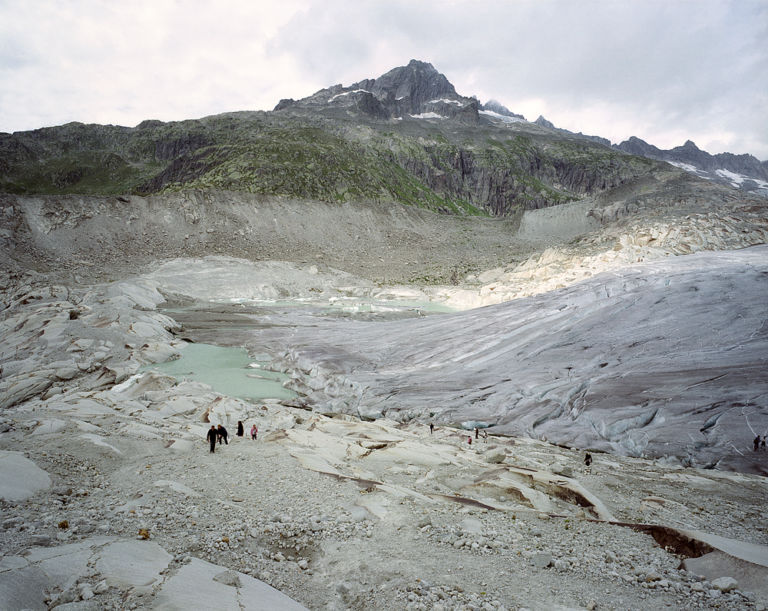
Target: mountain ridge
(744,172)
(404,137)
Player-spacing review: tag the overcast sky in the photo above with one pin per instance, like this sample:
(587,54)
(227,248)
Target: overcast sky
(663,70)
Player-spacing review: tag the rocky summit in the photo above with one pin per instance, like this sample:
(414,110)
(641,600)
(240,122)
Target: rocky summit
(479,362)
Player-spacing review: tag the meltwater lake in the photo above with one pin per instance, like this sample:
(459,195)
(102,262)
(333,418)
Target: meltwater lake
(228,370)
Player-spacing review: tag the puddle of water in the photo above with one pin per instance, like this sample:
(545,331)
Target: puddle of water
(227,371)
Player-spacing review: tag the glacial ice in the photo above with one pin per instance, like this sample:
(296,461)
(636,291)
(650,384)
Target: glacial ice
(660,358)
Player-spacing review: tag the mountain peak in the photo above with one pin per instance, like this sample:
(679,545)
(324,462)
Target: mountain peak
(418,81)
(416,90)
(416,63)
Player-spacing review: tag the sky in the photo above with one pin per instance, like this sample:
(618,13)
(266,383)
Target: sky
(665,71)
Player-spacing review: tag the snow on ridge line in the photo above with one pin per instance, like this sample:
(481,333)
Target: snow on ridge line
(338,95)
(504,118)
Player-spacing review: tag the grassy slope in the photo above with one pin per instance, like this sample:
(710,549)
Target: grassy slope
(440,166)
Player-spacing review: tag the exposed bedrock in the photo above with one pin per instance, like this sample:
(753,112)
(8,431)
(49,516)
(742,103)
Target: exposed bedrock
(666,358)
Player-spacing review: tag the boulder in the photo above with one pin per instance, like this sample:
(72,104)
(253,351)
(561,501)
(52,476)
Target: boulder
(20,478)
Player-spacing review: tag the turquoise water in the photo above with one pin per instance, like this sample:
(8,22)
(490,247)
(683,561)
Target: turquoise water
(225,370)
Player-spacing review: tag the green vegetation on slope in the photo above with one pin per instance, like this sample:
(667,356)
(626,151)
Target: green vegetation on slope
(446,167)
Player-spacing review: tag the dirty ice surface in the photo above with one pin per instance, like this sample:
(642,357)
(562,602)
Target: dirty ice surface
(664,358)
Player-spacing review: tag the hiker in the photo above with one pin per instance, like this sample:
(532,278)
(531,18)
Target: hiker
(762,444)
(254,432)
(588,459)
(221,432)
(240,430)
(477,432)
(756,443)
(469,439)
(212,438)
(431,428)
(485,436)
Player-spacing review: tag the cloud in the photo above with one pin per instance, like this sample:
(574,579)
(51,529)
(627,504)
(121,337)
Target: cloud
(663,71)
(659,70)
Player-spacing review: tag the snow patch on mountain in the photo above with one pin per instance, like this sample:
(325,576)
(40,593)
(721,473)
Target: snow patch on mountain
(427,115)
(339,95)
(445,101)
(503,118)
(688,168)
(737,179)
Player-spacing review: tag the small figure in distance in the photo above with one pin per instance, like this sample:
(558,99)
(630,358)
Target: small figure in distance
(588,462)
(469,439)
(762,444)
(222,434)
(485,436)
(254,432)
(756,443)
(477,432)
(240,430)
(212,434)
(431,427)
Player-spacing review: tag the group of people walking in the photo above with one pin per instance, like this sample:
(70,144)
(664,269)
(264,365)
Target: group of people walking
(219,434)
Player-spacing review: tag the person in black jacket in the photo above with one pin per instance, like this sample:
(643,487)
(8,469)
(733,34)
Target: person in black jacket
(240,428)
(212,434)
(221,432)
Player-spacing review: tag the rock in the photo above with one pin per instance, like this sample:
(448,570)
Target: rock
(51,426)
(725,584)
(471,526)
(542,560)
(652,576)
(19,388)
(195,586)
(750,576)
(42,540)
(12,522)
(134,564)
(228,578)
(495,455)
(86,591)
(67,373)
(101,587)
(20,478)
